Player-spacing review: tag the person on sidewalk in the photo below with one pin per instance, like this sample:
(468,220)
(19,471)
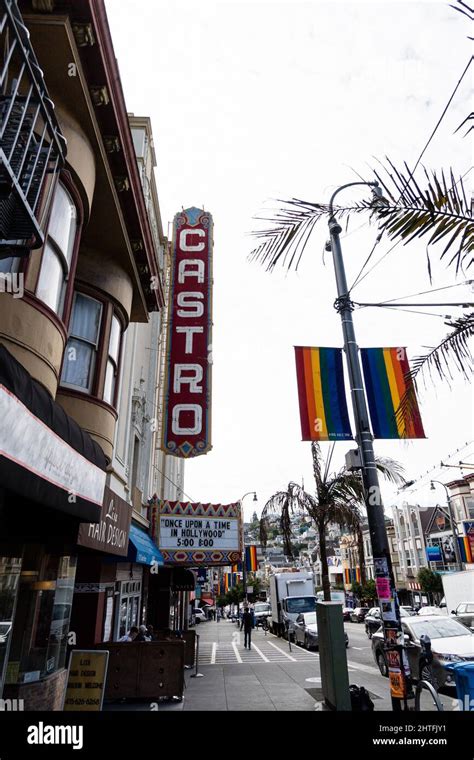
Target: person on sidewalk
(131,635)
(247,625)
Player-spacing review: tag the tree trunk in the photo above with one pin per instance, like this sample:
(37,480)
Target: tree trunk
(324,562)
(360,551)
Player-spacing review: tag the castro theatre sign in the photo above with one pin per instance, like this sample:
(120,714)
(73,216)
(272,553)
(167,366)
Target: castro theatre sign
(186,429)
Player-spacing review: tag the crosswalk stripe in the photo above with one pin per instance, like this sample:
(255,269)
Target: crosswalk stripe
(213,653)
(265,659)
(282,652)
(234,646)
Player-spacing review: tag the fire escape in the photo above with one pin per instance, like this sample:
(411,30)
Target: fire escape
(31,143)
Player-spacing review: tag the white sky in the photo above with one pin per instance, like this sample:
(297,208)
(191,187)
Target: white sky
(252,101)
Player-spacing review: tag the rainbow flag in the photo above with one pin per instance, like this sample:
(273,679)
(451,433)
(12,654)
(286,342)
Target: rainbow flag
(465,549)
(251,558)
(321,393)
(386,382)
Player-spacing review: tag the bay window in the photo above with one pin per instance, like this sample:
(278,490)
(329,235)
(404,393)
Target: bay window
(58,250)
(81,350)
(91,358)
(111,372)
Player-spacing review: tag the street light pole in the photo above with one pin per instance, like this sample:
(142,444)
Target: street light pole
(451,519)
(244,564)
(384,579)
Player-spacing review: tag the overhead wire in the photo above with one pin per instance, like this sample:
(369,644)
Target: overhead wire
(411,173)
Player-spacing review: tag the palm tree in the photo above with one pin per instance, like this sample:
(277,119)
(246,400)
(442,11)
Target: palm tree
(405,212)
(338,499)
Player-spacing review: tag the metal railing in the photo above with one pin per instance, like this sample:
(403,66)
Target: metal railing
(31,143)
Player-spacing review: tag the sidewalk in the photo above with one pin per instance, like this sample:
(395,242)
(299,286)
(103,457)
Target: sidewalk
(269,677)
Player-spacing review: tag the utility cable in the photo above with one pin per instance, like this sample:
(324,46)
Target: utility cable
(426,292)
(436,127)
(180,488)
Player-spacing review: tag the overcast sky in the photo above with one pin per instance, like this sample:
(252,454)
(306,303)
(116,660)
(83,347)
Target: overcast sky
(252,101)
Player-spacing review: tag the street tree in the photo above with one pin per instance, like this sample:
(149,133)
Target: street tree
(338,499)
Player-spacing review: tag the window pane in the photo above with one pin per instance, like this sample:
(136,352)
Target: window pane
(78,364)
(51,279)
(10,264)
(114,344)
(86,318)
(109,386)
(62,223)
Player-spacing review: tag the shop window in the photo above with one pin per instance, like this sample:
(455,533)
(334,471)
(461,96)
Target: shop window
(41,625)
(82,345)
(111,372)
(130,593)
(10,265)
(10,568)
(58,250)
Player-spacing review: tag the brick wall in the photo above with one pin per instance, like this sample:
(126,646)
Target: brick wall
(42,695)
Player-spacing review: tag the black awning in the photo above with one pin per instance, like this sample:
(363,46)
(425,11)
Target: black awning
(182,579)
(45,455)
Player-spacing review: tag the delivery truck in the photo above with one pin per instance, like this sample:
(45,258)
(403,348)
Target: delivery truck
(458,588)
(290,594)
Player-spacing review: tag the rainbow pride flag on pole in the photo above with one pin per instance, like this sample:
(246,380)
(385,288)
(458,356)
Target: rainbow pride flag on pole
(251,558)
(321,393)
(386,382)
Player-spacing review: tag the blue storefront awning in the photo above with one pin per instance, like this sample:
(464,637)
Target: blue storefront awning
(141,548)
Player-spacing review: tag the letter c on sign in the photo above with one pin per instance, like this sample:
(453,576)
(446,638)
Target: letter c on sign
(183,238)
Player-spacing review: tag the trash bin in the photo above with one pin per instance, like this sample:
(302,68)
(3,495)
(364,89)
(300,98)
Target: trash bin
(464,678)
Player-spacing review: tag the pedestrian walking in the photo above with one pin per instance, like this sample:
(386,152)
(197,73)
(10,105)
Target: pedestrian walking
(247,624)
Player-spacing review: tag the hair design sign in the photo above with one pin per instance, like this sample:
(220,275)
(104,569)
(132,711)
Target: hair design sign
(187,423)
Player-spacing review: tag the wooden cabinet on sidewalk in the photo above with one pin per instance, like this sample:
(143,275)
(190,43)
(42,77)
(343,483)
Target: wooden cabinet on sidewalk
(147,669)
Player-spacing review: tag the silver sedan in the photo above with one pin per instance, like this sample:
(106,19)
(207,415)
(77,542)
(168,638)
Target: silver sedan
(306,631)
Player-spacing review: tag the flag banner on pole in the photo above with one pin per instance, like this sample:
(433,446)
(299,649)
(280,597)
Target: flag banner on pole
(251,558)
(386,384)
(321,393)
(237,568)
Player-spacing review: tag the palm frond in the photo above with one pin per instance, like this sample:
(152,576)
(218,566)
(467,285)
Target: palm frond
(391,470)
(452,355)
(407,211)
(287,237)
(440,209)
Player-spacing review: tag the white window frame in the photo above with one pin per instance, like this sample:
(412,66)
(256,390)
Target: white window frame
(95,346)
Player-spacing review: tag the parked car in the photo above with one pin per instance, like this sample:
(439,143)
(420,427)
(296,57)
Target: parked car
(464,613)
(450,642)
(306,631)
(429,610)
(358,614)
(199,615)
(373,619)
(408,609)
(261,611)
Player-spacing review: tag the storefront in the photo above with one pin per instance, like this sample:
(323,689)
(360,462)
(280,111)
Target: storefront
(101,548)
(52,477)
